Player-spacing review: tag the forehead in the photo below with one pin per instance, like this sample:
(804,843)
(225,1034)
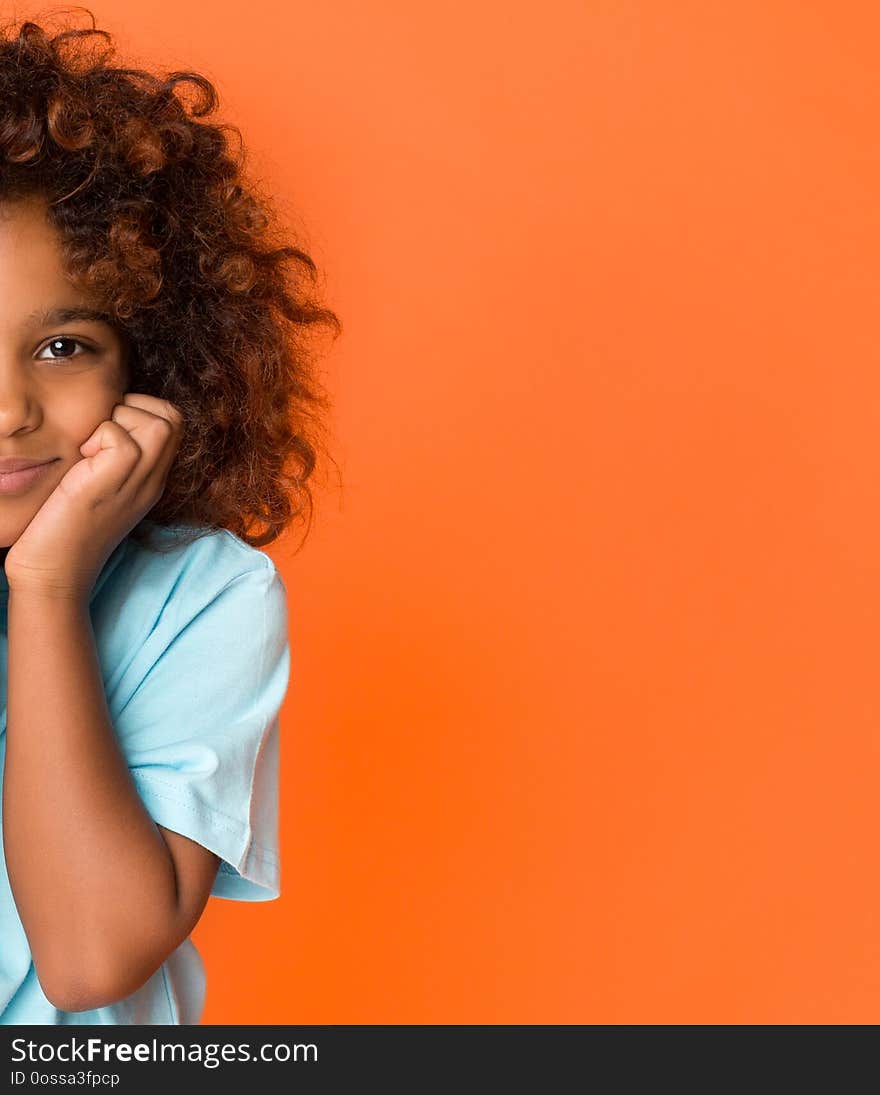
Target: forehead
(25,227)
(33,209)
(33,282)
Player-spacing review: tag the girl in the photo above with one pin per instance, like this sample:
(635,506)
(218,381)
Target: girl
(153,361)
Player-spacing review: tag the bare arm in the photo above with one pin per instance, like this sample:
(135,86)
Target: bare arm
(103,893)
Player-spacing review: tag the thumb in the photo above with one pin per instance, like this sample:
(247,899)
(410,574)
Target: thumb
(91,445)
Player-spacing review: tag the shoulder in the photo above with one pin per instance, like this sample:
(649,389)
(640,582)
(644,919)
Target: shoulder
(198,568)
(172,586)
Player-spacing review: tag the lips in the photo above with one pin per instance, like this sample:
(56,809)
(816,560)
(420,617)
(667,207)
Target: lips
(19,463)
(11,482)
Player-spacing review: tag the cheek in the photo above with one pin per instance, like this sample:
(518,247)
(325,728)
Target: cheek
(90,408)
(75,423)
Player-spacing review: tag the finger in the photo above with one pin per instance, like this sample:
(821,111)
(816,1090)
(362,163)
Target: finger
(160,409)
(154,405)
(138,419)
(157,436)
(113,452)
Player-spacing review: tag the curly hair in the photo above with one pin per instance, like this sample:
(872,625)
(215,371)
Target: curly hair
(215,302)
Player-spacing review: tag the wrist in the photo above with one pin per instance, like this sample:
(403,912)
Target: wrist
(47,594)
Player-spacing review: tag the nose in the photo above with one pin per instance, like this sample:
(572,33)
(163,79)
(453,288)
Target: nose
(19,411)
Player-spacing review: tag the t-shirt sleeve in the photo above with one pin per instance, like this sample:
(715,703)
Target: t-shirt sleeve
(200,731)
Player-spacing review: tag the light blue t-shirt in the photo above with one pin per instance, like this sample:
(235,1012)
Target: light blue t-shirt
(195,659)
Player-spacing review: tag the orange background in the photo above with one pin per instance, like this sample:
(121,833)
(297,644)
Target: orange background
(583,716)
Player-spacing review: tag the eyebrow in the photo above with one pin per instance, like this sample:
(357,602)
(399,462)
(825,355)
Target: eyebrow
(68,315)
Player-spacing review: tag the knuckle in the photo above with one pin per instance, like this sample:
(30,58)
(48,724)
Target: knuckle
(162,426)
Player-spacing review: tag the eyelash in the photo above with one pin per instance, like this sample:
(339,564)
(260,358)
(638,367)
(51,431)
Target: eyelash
(64,338)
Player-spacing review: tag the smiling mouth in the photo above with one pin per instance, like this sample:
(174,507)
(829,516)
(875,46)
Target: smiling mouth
(13,481)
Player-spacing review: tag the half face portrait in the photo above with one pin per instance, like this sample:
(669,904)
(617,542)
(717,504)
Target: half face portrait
(62,365)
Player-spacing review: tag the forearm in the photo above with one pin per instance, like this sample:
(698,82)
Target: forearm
(91,875)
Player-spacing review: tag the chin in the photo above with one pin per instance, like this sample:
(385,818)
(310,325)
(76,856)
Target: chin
(8,534)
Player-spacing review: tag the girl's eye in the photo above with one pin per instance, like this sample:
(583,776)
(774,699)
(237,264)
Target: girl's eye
(60,344)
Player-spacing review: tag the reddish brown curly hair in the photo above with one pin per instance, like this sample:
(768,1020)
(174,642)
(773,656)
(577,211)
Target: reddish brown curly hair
(214,301)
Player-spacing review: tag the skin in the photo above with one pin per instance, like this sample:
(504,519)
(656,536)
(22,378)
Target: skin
(104,894)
